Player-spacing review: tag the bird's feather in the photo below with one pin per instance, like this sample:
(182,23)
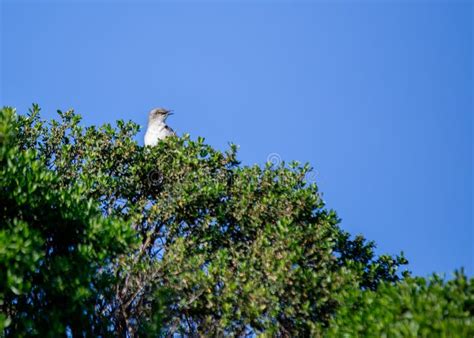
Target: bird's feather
(170,130)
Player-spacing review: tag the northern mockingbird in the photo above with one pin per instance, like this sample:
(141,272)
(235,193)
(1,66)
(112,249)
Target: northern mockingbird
(157,128)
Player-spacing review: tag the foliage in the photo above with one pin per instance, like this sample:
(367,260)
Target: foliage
(414,307)
(224,249)
(56,249)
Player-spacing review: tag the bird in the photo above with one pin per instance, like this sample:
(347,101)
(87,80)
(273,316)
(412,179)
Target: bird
(157,128)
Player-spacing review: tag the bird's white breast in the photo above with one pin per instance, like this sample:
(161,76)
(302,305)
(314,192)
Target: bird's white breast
(156,132)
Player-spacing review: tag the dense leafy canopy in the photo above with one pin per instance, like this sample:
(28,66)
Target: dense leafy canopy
(188,241)
(414,307)
(56,248)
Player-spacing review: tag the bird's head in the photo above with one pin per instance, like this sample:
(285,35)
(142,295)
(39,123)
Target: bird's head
(159,114)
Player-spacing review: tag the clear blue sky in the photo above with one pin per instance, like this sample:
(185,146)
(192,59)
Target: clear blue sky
(377,96)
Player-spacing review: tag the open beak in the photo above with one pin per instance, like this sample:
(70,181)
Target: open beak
(170,113)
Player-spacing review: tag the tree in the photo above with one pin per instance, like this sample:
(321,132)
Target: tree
(100,236)
(56,249)
(224,248)
(414,307)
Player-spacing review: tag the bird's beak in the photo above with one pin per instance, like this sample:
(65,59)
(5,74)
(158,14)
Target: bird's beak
(170,113)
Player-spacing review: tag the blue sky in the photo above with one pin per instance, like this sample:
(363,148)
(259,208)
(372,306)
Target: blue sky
(377,96)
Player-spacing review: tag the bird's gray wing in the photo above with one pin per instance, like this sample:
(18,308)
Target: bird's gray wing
(170,131)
